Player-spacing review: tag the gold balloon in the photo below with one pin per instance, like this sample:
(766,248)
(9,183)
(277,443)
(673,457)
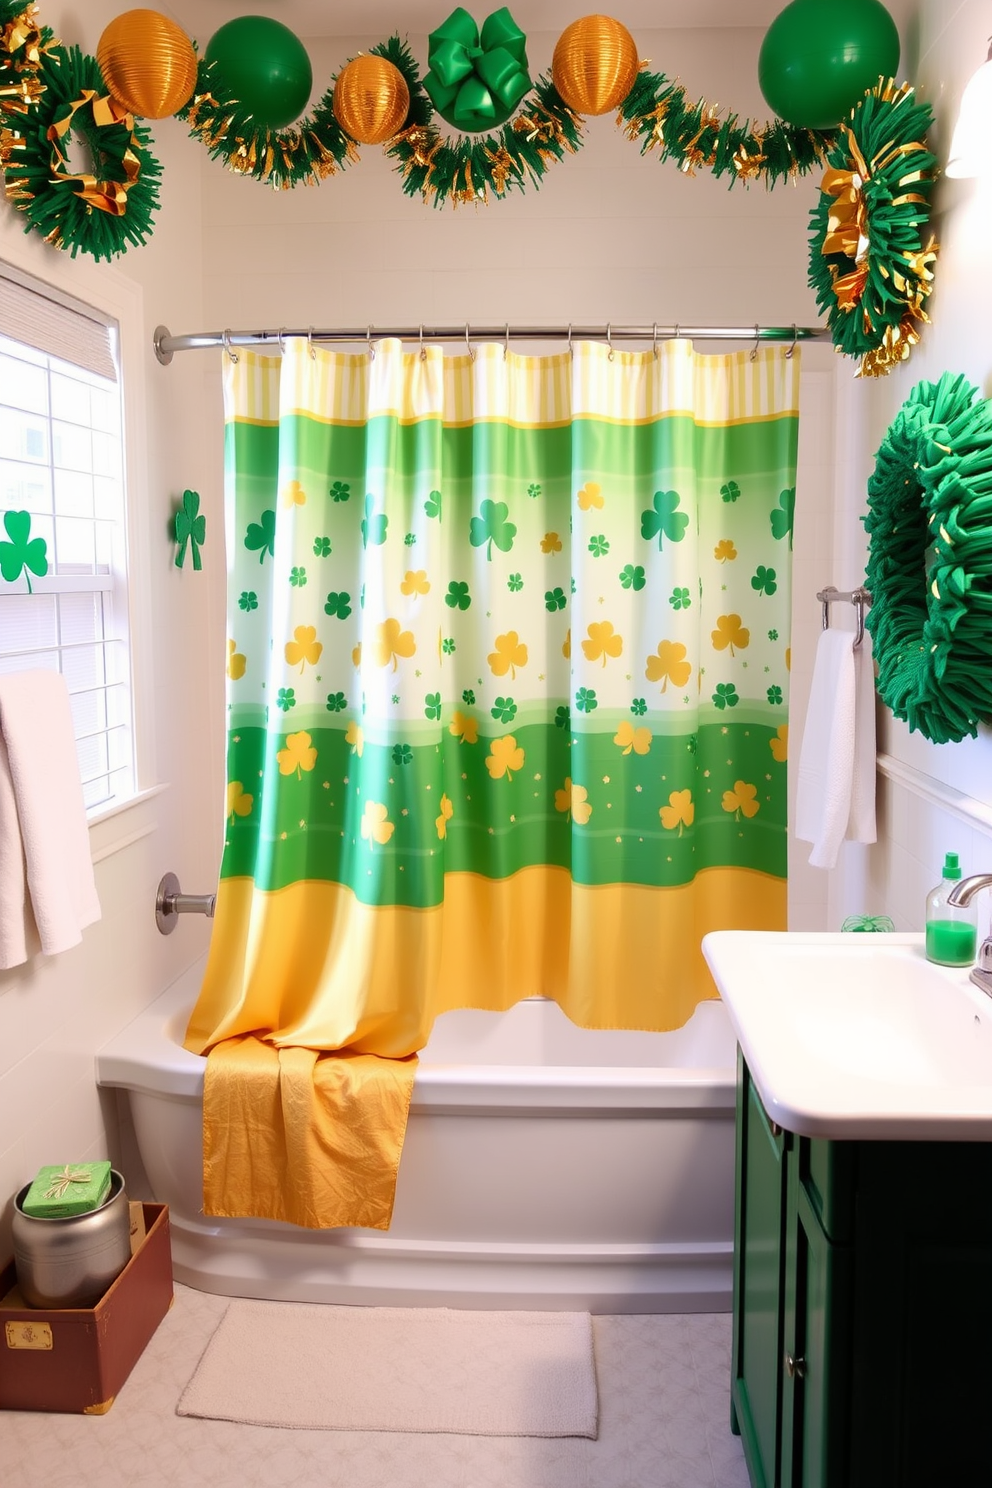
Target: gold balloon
(371,99)
(148,63)
(594,64)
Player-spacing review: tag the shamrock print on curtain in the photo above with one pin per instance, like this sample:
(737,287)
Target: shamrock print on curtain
(508,685)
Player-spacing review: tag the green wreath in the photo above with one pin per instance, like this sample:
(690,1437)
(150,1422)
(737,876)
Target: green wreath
(867,261)
(929,572)
(100,214)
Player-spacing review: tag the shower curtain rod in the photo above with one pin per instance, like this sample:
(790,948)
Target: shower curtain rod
(166,344)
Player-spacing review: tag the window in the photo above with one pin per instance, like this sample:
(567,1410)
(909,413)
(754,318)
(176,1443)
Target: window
(61,462)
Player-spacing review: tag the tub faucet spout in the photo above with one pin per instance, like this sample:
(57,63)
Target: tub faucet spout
(962,894)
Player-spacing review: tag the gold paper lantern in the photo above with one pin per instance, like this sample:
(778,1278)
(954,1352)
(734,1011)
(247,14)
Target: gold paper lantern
(148,63)
(371,99)
(594,64)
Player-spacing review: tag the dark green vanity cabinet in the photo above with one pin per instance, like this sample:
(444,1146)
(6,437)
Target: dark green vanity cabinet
(862,1353)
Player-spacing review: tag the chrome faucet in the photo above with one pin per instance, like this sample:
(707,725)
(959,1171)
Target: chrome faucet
(962,895)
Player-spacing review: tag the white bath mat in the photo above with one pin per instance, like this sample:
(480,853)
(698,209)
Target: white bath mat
(398,1369)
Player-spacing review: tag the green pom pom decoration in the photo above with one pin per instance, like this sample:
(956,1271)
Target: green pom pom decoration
(929,572)
(867,261)
(102,213)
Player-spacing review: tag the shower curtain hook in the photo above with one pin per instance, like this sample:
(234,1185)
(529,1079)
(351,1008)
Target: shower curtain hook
(795,338)
(506,340)
(570,351)
(468,343)
(423,348)
(678,330)
(282,342)
(654,338)
(757,338)
(609,337)
(368,340)
(226,338)
(313,354)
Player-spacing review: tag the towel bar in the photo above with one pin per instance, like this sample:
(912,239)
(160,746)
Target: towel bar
(859,597)
(170,903)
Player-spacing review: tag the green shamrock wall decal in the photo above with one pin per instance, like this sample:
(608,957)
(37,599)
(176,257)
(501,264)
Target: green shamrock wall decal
(191,529)
(24,553)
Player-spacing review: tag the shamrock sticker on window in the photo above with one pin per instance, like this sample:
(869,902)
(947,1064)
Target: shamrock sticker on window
(24,553)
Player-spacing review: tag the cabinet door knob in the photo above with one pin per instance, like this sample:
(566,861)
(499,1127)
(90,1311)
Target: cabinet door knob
(795,1368)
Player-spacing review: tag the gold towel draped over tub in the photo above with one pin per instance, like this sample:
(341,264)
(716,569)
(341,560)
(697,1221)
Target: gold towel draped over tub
(301,1135)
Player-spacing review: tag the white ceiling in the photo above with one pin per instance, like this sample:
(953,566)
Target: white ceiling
(380,18)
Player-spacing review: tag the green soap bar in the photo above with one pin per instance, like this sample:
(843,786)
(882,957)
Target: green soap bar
(74,1188)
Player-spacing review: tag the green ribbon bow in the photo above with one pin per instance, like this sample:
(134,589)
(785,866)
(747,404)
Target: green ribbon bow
(474,82)
(190,528)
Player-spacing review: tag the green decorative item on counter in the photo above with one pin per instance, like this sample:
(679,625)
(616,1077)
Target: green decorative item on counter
(101,213)
(24,553)
(929,570)
(191,529)
(868,264)
(819,56)
(58,1192)
(869,924)
(476,81)
(265,66)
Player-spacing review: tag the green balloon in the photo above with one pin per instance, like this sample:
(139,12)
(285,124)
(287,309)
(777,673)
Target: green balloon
(819,58)
(265,66)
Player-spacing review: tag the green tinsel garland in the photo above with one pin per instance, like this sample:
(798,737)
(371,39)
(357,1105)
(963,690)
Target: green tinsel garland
(100,214)
(471,166)
(929,568)
(305,153)
(867,261)
(658,112)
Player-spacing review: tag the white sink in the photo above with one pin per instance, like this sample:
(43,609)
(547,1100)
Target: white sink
(858,1035)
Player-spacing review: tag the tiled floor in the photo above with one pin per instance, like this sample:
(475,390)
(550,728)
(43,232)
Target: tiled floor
(664,1423)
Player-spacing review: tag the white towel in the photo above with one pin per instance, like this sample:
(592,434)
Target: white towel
(835,793)
(861,823)
(46,873)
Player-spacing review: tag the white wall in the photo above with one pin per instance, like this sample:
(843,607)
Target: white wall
(56,1012)
(932,797)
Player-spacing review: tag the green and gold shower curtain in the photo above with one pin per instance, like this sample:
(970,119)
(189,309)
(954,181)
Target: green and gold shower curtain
(508,669)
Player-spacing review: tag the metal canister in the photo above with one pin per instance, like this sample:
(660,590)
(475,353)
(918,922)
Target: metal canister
(72,1260)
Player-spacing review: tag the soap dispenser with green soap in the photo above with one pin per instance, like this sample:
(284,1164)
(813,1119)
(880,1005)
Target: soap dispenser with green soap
(951,928)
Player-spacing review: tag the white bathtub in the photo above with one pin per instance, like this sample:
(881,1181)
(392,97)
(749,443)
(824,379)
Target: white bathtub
(545,1167)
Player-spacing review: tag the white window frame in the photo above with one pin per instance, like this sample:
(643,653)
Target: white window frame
(118,300)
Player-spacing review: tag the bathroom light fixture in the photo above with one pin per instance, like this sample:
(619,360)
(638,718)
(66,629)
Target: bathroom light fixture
(969,146)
